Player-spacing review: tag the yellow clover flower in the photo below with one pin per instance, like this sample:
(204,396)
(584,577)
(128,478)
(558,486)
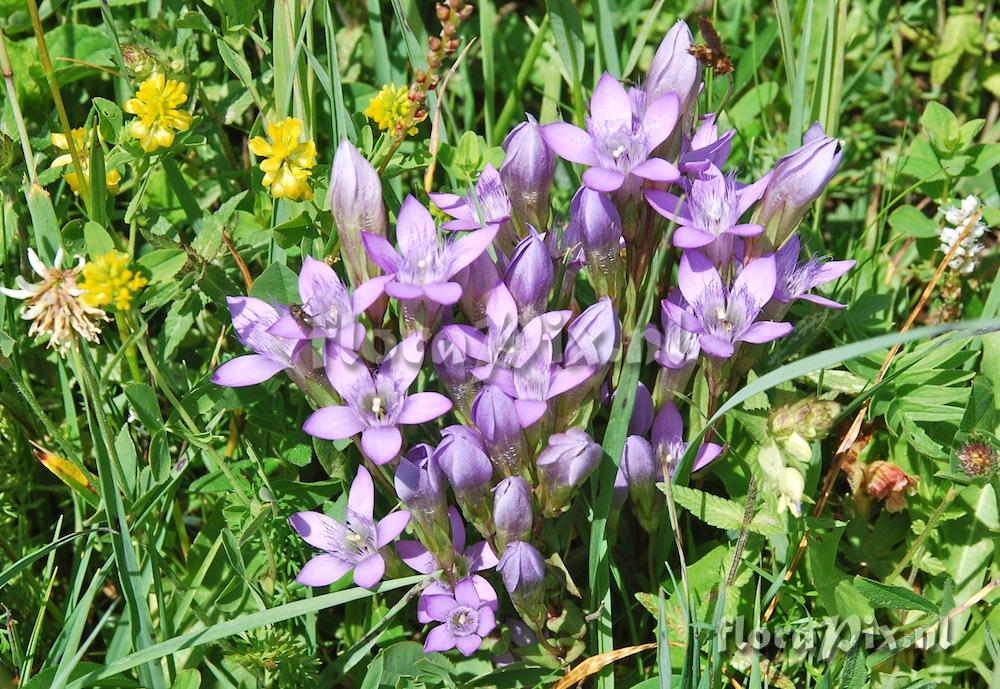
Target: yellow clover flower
(156,106)
(392,109)
(82,139)
(287,162)
(108,281)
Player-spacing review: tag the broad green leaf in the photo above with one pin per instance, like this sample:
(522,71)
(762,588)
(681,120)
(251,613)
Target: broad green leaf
(893,597)
(276,285)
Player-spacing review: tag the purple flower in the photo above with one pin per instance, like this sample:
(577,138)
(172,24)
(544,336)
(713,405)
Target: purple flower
(674,69)
(676,349)
(476,558)
(642,412)
(724,316)
(420,485)
(478,280)
(488,207)
(464,619)
(523,572)
(795,280)
(453,364)
(564,464)
(496,419)
(351,544)
(460,456)
(512,510)
(376,404)
(617,144)
(797,180)
(527,172)
(356,205)
(252,320)
(529,275)
(595,219)
(424,266)
(638,473)
(669,445)
(593,338)
(705,147)
(330,311)
(711,210)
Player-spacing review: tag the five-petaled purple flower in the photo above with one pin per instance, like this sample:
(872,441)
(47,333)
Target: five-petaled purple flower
(252,320)
(795,279)
(351,544)
(425,264)
(376,404)
(489,206)
(618,143)
(723,316)
(465,619)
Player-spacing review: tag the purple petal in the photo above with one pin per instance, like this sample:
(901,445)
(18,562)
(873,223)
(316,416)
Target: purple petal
(603,179)
(439,640)
(416,556)
(707,454)
(610,101)
(438,608)
(831,271)
(823,301)
(404,291)
(656,170)
(480,556)
(289,327)
(414,226)
(667,425)
(487,621)
(529,411)
(390,526)
(454,205)
(322,570)
(314,528)
(487,594)
(660,119)
(469,644)
(501,309)
(245,370)
(381,252)
(316,280)
(369,571)
(666,204)
(333,423)
(381,444)
(444,293)
(249,314)
(361,499)
(568,378)
(465,594)
(435,588)
(749,194)
(682,317)
(470,247)
(746,230)
(765,331)
(715,346)
(422,407)
(570,143)
(757,280)
(344,368)
(697,275)
(691,238)
(368,292)
(403,361)
(457,530)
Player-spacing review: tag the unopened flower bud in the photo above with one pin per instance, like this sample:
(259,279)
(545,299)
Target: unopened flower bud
(495,417)
(638,473)
(356,205)
(598,224)
(797,447)
(564,464)
(453,365)
(770,459)
(523,572)
(790,486)
(529,276)
(443,12)
(420,485)
(592,339)
(512,510)
(527,172)
(434,43)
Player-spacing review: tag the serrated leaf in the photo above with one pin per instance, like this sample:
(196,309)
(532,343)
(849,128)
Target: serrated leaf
(893,597)
(722,513)
(276,285)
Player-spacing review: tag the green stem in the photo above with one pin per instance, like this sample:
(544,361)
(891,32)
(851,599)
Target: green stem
(50,427)
(93,396)
(125,332)
(919,542)
(22,131)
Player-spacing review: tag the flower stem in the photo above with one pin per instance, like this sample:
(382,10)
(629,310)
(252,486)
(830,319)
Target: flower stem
(131,356)
(919,542)
(22,131)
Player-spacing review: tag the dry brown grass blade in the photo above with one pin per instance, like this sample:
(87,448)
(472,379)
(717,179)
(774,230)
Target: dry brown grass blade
(594,664)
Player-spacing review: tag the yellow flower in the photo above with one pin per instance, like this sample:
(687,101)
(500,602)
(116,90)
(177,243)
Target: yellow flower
(156,107)
(287,162)
(392,109)
(107,280)
(82,139)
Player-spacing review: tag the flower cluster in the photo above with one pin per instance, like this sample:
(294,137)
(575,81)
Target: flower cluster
(484,407)
(965,228)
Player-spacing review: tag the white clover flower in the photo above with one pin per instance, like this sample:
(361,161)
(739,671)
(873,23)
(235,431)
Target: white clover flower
(958,218)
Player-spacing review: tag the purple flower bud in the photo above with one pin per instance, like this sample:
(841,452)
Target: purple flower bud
(420,484)
(674,68)
(453,364)
(564,464)
(356,205)
(638,473)
(527,173)
(642,412)
(797,180)
(477,280)
(512,510)
(529,276)
(495,416)
(467,467)
(523,572)
(596,221)
(592,339)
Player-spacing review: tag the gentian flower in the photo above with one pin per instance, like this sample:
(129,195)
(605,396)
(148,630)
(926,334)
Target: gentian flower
(356,206)
(529,275)
(470,473)
(797,180)
(376,404)
(424,266)
(328,309)
(617,144)
(564,465)
(669,445)
(705,147)
(795,279)
(453,365)
(420,485)
(523,572)
(710,212)
(465,619)
(674,69)
(593,338)
(642,411)
(724,316)
(676,349)
(478,280)
(252,321)
(488,207)
(496,419)
(527,172)
(351,544)
(512,510)
(595,220)
(476,558)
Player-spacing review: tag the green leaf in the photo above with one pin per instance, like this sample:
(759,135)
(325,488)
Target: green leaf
(908,221)
(955,40)
(722,513)
(8,573)
(893,597)
(277,284)
(98,241)
(142,398)
(162,264)
(942,127)
(187,679)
